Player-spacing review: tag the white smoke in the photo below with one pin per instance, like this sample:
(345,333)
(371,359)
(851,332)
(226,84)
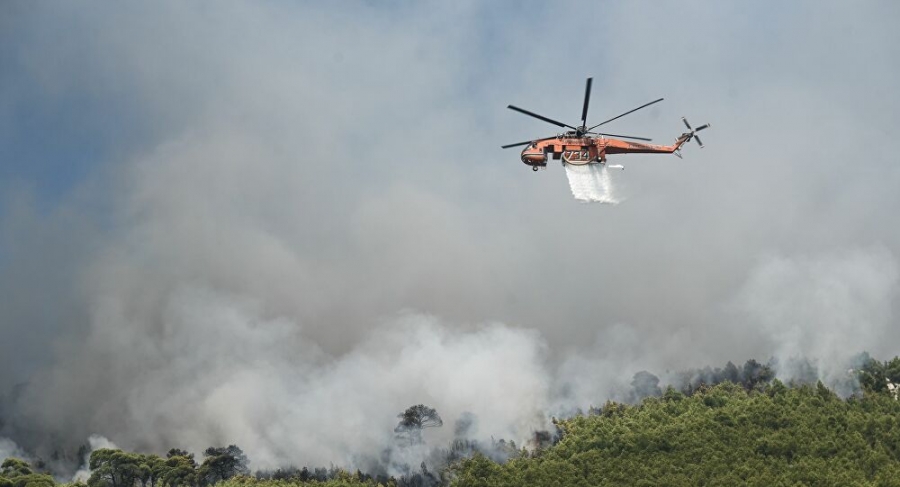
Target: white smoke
(220,372)
(591,183)
(589,377)
(207,367)
(826,307)
(95,442)
(9,449)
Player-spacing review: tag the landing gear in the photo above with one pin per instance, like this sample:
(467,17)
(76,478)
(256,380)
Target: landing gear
(534,168)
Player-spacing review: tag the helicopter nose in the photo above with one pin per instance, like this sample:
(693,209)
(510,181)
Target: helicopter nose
(534,157)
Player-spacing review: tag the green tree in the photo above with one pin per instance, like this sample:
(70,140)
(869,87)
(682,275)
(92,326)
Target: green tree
(721,435)
(179,469)
(116,468)
(15,472)
(222,463)
(415,419)
(14,467)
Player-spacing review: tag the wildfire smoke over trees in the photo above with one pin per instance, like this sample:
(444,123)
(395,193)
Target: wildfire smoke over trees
(734,426)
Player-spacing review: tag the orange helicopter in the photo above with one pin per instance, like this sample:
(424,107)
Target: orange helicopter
(581,145)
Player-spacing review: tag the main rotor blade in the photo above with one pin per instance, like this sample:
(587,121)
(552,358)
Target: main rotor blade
(626,113)
(686,124)
(624,136)
(698,141)
(587,99)
(525,143)
(540,117)
(507,146)
(701,128)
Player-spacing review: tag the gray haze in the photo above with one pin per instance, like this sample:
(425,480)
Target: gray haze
(298,221)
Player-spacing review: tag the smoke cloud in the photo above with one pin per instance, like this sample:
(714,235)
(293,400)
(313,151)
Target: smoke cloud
(827,307)
(9,449)
(280,225)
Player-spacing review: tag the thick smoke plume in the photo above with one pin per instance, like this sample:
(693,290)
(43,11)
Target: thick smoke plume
(828,308)
(279,225)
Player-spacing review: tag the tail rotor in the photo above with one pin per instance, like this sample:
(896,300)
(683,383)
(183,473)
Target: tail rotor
(693,131)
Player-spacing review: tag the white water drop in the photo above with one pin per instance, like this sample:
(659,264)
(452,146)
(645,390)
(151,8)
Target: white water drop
(591,183)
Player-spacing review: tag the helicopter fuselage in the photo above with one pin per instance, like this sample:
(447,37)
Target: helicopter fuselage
(587,150)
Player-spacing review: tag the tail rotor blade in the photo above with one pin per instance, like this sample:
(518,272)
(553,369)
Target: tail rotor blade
(693,132)
(587,99)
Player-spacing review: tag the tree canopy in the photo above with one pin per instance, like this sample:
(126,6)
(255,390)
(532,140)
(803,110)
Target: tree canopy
(222,463)
(721,435)
(15,472)
(416,418)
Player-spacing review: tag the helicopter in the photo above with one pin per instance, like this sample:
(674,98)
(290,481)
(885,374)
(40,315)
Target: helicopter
(581,145)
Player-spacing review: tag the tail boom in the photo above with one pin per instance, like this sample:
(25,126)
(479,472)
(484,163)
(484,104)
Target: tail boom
(615,146)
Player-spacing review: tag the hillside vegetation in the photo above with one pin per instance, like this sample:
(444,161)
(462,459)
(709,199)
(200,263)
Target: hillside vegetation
(729,426)
(722,435)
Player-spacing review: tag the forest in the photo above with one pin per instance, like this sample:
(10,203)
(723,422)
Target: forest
(723,426)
